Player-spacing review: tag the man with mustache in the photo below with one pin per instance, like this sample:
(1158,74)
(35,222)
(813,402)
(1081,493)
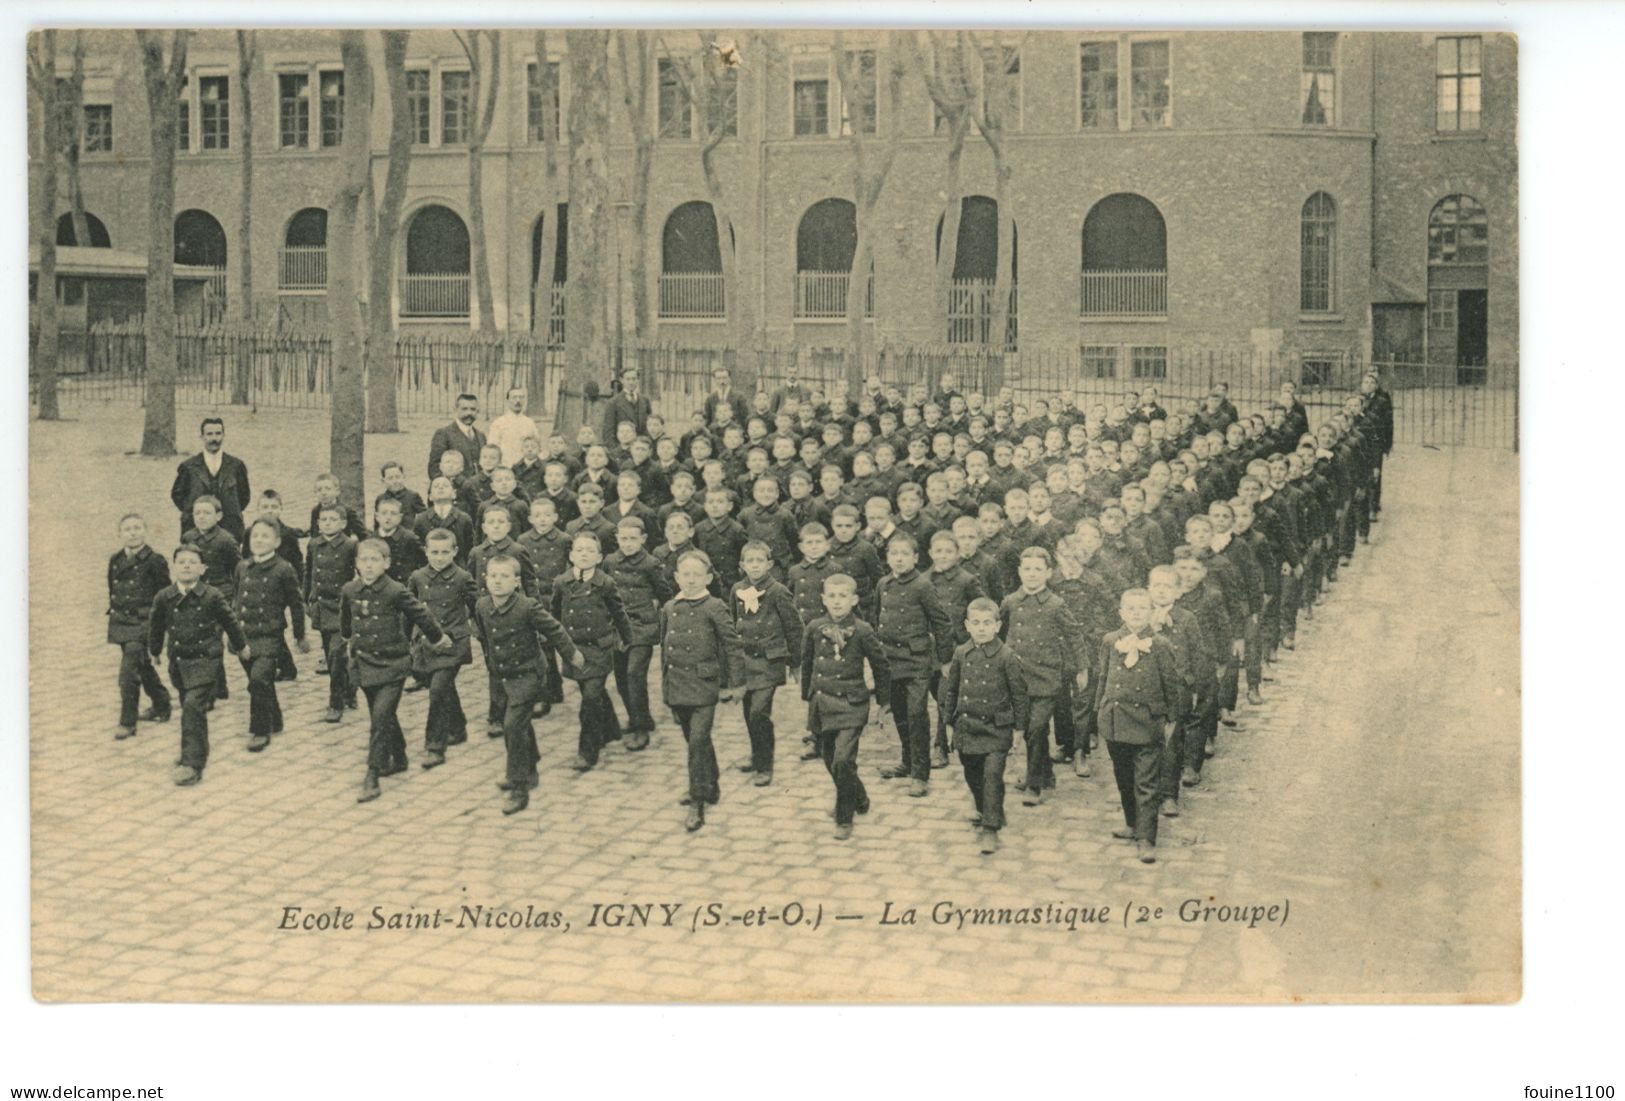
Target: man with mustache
(459,435)
(212,473)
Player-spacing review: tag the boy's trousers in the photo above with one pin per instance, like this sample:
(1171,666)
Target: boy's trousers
(194,682)
(1040,773)
(702,755)
(839,748)
(518,735)
(632,685)
(339,690)
(984,775)
(136,674)
(913,724)
(264,711)
(758,709)
(447,725)
(1138,769)
(599,726)
(386,741)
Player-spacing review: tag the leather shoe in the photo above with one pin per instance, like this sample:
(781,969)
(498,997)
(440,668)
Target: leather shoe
(1080,766)
(434,760)
(531,785)
(395,769)
(939,759)
(580,764)
(1254,698)
(1170,808)
(493,730)
(748,766)
(1123,833)
(124,732)
(975,820)
(1147,852)
(843,831)
(637,742)
(762,779)
(894,772)
(809,751)
(863,807)
(153,715)
(1033,798)
(1190,778)
(186,777)
(369,788)
(332,715)
(989,841)
(696,817)
(414,685)
(517,801)
(258,742)
(919,789)
(458,739)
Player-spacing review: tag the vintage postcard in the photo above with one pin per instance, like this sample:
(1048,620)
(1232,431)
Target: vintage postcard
(741,515)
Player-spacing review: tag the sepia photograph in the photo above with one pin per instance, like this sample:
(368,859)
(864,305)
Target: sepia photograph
(744,514)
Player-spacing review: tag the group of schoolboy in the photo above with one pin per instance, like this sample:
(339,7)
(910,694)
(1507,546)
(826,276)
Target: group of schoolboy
(1068,571)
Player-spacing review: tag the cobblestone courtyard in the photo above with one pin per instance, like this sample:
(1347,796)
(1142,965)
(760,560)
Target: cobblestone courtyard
(1376,792)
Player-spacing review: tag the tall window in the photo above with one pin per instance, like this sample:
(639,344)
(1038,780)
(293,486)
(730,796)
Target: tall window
(1319,78)
(332,88)
(1460,82)
(293,109)
(541,98)
(417,98)
(1149,73)
(860,104)
(676,116)
(1458,232)
(1317,252)
(98,128)
(183,130)
(214,111)
(1097,85)
(810,96)
(722,102)
(455,107)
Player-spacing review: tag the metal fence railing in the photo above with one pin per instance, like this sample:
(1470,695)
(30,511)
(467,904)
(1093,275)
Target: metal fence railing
(434,295)
(692,294)
(970,312)
(821,295)
(302,268)
(1444,406)
(1124,293)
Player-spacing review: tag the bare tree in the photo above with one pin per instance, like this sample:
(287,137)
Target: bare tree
(247,63)
(635,52)
(42,81)
(545,274)
(346,439)
(586,317)
(164,78)
(381,411)
(860,94)
(73,112)
(482,78)
(943,64)
(993,119)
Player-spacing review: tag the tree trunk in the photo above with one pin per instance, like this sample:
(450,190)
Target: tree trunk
(76,120)
(541,321)
(1005,254)
(636,54)
(381,409)
(247,48)
(868,183)
(163,85)
(346,439)
(585,311)
(48,316)
(484,79)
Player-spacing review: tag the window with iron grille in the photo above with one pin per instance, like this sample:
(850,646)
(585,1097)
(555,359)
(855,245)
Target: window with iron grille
(1149,84)
(293,110)
(417,99)
(1318,369)
(98,128)
(1148,361)
(810,97)
(1097,85)
(1459,82)
(542,96)
(455,107)
(860,104)
(332,90)
(675,113)
(1319,78)
(1318,245)
(1099,360)
(214,111)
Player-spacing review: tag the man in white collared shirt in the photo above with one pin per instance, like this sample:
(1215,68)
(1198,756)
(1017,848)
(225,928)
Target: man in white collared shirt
(509,430)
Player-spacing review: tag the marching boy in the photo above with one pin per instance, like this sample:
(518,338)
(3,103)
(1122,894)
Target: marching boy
(548,549)
(266,588)
(700,663)
(193,615)
(587,603)
(510,625)
(1138,698)
(984,696)
(769,628)
(136,574)
(833,650)
(450,594)
(956,588)
(376,615)
(220,557)
(329,564)
(1039,627)
(642,585)
(918,639)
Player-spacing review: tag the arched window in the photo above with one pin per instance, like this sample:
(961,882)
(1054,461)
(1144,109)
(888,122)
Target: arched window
(1317,253)
(303,260)
(437,265)
(200,241)
(98,232)
(977,254)
(1124,258)
(1458,232)
(691,264)
(826,242)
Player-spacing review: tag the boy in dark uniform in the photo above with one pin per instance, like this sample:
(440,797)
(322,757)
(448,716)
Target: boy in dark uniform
(1039,627)
(498,541)
(767,521)
(327,495)
(395,489)
(376,617)
(265,588)
(443,513)
(591,519)
(984,696)
(1091,603)
(833,650)
(587,603)
(769,629)
(288,536)
(918,638)
(629,503)
(806,584)
(449,592)
(1138,697)
(1182,630)
(511,626)
(700,663)
(193,615)
(679,529)
(556,488)
(136,574)
(956,588)
(220,555)
(405,550)
(855,556)
(642,585)
(506,496)
(329,564)
(547,548)
(1200,595)
(721,537)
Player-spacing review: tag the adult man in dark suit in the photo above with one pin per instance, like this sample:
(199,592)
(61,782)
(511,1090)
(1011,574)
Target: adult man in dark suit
(722,393)
(627,405)
(459,435)
(212,473)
